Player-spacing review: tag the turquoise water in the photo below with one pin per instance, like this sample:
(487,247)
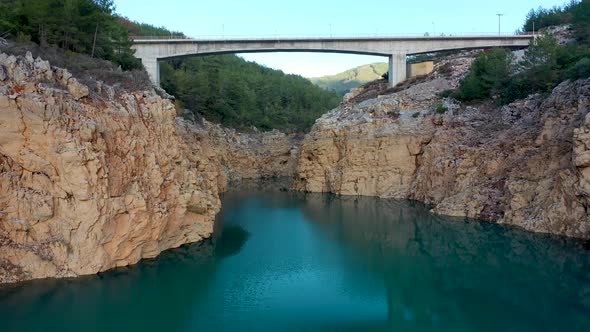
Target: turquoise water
(287,261)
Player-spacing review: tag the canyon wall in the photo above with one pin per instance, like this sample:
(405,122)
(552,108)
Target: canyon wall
(94,178)
(253,155)
(525,164)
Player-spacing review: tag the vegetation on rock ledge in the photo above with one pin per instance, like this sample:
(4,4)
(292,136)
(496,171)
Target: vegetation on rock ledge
(545,64)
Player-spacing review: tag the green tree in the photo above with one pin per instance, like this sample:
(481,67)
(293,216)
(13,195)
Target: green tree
(104,16)
(489,75)
(581,21)
(240,94)
(8,12)
(540,64)
(83,26)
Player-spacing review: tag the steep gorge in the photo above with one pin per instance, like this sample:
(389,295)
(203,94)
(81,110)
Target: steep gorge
(95,177)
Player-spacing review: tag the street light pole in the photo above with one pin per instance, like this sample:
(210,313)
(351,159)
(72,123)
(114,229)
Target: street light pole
(499,16)
(330,30)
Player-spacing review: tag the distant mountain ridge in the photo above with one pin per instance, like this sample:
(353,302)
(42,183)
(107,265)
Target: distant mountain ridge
(352,78)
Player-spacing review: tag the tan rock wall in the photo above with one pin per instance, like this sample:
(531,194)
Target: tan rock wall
(253,155)
(89,182)
(515,170)
(359,161)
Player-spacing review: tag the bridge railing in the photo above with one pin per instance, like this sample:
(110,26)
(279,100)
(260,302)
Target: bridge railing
(332,36)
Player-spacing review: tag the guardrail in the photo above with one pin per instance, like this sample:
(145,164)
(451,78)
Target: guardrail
(330,36)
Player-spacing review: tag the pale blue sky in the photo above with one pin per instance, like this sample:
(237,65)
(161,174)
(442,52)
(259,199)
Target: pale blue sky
(251,18)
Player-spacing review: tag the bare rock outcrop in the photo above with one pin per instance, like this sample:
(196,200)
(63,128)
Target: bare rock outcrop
(525,164)
(371,144)
(377,156)
(91,180)
(514,165)
(255,154)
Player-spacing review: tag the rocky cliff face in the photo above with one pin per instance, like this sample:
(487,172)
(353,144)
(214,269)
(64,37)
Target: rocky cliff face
(371,144)
(91,179)
(253,155)
(524,164)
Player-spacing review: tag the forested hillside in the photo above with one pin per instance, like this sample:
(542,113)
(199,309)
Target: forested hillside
(342,83)
(576,13)
(81,26)
(241,94)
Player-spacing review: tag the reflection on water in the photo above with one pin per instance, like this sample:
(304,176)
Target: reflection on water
(231,241)
(461,275)
(289,261)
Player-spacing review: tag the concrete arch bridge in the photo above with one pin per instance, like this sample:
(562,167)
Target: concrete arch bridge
(395,48)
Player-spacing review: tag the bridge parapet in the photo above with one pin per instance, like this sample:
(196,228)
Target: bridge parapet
(226,37)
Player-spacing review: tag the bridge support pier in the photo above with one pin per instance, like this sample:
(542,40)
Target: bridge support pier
(397,68)
(153,69)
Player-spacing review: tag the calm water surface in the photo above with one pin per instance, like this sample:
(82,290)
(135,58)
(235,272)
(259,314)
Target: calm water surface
(287,261)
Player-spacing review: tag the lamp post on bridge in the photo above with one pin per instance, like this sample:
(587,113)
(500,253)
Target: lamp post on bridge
(499,16)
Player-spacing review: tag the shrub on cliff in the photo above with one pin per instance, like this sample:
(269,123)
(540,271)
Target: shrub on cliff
(544,66)
(580,70)
(489,74)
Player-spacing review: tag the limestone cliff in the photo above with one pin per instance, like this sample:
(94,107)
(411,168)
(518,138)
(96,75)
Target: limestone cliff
(253,155)
(371,144)
(91,179)
(525,164)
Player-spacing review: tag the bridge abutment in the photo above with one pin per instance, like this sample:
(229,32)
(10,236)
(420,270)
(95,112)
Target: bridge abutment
(397,68)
